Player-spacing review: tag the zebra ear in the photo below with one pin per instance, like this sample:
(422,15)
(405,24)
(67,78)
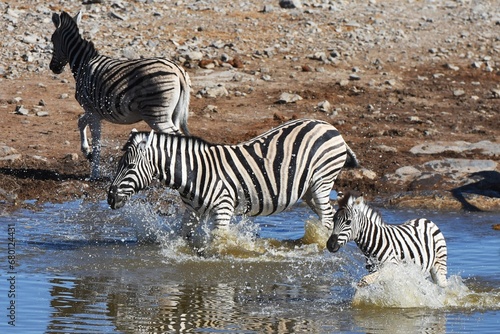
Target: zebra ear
(359,200)
(150,138)
(56,19)
(78,18)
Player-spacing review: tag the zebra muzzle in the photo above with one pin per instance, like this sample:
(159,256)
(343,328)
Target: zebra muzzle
(332,243)
(115,200)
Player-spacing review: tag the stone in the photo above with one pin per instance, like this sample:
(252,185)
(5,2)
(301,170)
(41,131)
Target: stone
(486,147)
(214,91)
(324,106)
(7,150)
(290,4)
(21,110)
(288,98)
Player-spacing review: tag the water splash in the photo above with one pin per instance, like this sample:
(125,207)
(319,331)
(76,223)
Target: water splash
(405,286)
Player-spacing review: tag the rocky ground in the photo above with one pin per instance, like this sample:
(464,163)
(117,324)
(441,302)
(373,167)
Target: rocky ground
(413,86)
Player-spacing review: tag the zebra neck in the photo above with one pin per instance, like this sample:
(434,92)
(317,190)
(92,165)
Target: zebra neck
(371,227)
(179,160)
(80,54)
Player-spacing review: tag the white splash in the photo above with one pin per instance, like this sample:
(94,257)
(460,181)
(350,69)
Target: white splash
(405,286)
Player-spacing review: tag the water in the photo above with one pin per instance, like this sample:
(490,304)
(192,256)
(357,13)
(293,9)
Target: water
(83,268)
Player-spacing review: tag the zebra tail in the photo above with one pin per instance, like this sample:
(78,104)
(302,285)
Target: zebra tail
(182,107)
(351,160)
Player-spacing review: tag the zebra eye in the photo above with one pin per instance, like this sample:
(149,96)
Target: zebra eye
(348,222)
(131,166)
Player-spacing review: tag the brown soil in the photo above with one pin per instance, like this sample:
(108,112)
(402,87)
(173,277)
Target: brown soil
(400,115)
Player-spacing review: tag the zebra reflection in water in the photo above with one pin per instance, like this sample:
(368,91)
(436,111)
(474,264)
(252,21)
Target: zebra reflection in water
(263,176)
(418,240)
(155,90)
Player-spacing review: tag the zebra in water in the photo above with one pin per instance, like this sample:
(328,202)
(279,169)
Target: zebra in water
(418,240)
(262,176)
(155,90)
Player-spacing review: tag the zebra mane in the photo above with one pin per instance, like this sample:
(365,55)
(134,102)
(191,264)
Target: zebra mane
(136,137)
(358,205)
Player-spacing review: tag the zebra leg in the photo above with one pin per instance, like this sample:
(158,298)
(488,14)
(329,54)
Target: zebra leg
(368,279)
(320,203)
(438,276)
(83,122)
(190,221)
(95,131)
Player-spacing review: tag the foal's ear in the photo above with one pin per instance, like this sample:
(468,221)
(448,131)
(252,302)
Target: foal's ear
(56,19)
(78,18)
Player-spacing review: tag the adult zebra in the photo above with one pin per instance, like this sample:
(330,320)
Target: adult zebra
(262,176)
(418,240)
(155,90)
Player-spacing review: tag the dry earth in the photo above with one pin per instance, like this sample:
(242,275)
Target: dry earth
(396,73)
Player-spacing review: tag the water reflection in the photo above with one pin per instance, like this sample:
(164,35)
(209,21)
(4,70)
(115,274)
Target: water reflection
(86,269)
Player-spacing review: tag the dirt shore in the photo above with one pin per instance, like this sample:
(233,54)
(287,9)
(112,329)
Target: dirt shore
(387,93)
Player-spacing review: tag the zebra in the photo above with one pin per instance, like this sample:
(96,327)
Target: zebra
(155,90)
(299,159)
(418,240)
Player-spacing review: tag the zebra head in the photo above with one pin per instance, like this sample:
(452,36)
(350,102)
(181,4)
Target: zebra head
(66,31)
(135,169)
(345,226)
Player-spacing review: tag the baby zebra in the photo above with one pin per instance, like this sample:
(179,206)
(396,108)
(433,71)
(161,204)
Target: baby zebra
(418,240)
(155,90)
(265,175)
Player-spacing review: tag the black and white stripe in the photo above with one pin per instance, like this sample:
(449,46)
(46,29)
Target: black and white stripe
(265,175)
(155,90)
(418,240)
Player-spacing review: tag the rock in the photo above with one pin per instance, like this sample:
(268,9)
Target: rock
(288,98)
(359,174)
(214,91)
(387,149)
(21,110)
(458,92)
(7,150)
(290,4)
(457,168)
(71,157)
(42,113)
(452,171)
(193,55)
(486,147)
(324,106)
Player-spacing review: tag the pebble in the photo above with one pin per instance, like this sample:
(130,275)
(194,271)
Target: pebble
(214,91)
(324,106)
(288,98)
(21,110)
(289,4)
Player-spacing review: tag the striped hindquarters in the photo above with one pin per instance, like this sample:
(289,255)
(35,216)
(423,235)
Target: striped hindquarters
(274,170)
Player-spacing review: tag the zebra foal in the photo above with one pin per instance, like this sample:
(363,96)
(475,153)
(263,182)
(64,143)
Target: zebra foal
(155,90)
(262,176)
(418,240)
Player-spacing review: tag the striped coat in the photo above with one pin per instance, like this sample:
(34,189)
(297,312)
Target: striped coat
(417,240)
(262,176)
(155,90)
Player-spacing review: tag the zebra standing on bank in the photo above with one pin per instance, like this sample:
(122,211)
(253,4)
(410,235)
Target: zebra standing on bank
(155,90)
(262,176)
(418,240)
